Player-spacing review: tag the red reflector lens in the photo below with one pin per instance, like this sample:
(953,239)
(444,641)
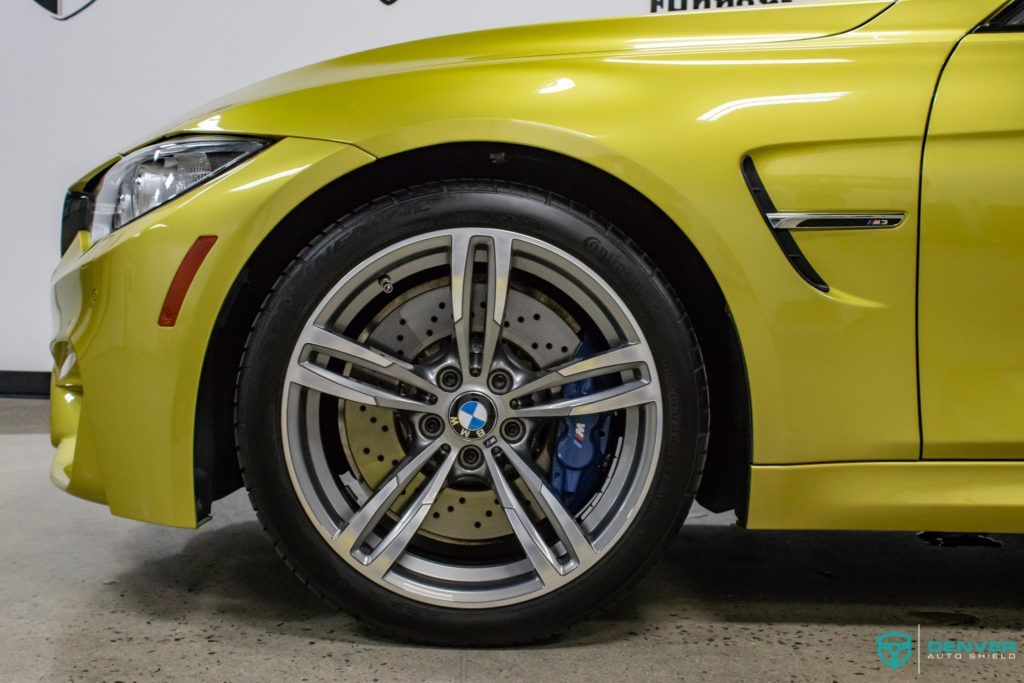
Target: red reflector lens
(183,279)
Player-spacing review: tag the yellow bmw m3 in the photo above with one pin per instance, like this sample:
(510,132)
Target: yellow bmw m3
(476,319)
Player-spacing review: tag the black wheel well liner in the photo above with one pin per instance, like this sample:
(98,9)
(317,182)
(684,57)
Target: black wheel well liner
(726,473)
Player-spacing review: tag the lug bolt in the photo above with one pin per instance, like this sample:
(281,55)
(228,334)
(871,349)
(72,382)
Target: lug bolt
(500,381)
(470,457)
(513,429)
(449,379)
(431,426)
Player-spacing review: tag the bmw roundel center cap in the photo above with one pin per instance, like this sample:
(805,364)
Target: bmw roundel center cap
(472,416)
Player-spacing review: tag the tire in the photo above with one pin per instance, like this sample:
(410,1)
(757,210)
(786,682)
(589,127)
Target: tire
(369,531)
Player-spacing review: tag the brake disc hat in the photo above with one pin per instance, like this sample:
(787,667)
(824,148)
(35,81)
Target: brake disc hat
(536,325)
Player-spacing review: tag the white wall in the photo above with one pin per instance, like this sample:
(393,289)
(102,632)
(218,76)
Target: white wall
(75,92)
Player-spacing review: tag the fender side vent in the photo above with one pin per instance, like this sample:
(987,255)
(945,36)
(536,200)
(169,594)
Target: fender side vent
(790,249)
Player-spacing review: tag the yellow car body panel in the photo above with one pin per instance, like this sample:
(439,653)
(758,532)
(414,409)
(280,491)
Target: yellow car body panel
(972,255)
(830,101)
(889,496)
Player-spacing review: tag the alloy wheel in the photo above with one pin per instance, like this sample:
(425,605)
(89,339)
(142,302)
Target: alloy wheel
(424,403)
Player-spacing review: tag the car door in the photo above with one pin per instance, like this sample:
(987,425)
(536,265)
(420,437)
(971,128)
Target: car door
(971,292)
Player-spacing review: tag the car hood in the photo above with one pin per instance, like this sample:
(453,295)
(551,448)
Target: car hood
(685,32)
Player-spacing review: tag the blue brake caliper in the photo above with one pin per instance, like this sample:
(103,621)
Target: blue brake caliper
(581,447)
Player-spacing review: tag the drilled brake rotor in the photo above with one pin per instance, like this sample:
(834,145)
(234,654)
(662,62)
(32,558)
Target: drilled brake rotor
(539,331)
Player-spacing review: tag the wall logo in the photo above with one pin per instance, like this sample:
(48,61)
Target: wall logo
(678,5)
(684,5)
(895,648)
(62,10)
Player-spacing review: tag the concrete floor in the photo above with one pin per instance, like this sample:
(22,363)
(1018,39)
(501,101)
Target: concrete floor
(86,596)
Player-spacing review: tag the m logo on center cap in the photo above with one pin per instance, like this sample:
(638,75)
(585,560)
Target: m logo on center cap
(472,416)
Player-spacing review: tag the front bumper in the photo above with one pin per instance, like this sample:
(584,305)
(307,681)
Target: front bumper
(124,390)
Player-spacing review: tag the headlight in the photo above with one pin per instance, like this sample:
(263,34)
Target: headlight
(155,175)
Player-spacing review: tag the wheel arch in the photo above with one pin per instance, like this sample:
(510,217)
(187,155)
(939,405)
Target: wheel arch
(726,473)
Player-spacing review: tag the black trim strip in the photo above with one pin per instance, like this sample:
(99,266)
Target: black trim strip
(992,28)
(18,384)
(786,242)
(1009,19)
